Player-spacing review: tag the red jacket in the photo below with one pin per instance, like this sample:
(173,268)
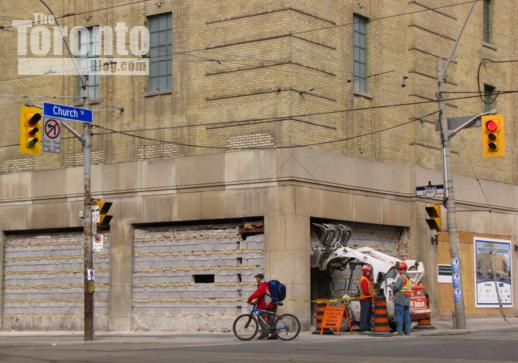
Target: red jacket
(262,294)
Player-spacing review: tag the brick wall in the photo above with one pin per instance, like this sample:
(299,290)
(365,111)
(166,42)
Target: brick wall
(258,60)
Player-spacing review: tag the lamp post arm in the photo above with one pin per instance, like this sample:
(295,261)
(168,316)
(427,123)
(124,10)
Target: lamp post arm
(469,122)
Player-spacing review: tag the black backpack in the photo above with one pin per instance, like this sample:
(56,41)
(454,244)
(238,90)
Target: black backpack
(277,291)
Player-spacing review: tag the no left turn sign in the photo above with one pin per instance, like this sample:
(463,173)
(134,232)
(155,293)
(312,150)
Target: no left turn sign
(51,135)
(52,129)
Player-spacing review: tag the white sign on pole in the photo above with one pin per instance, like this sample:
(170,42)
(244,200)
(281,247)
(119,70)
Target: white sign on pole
(96,214)
(98,243)
(90,274)
(444,274)
(51,135)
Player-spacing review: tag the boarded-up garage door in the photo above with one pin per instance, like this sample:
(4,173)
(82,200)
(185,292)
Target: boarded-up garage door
(193,278)
(43,282)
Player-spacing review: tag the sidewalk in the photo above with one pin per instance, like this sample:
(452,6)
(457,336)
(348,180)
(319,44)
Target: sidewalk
(445,327)
(442,328)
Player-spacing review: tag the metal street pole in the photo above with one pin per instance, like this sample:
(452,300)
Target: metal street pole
(88,227)
(88,286)
(449,198)
(449,203)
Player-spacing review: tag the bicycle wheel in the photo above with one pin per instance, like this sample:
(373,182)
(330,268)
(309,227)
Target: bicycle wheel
(245,327)
(287,327)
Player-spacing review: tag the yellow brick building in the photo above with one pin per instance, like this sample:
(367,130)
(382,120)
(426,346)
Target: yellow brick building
(278,113)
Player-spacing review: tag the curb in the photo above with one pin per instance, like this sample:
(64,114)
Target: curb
(464,331)
(437,333)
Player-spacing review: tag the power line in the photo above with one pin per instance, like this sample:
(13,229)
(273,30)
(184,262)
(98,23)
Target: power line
(253,58)
(426,9)
(352,23)
(280,119)
(248,121)
(475,173)
(274,147)
(483,93)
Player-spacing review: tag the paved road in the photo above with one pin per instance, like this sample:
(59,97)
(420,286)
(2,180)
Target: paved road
(490,347)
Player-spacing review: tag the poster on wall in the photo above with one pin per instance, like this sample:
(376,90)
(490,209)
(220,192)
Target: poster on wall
(493,261)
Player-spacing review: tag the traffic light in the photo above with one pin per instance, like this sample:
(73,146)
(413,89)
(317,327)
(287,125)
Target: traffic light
(434,214)
(493,136)
(104,218)
(30,130)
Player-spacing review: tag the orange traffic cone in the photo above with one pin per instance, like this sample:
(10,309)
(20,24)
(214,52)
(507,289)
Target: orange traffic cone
(381,325)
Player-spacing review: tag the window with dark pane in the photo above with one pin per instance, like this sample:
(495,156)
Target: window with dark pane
(489,97)
(89,47)
(160,52)
(488,21)
(360,53)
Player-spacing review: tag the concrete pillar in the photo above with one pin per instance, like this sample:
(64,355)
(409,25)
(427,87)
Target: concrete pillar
(287,258)
(121,255)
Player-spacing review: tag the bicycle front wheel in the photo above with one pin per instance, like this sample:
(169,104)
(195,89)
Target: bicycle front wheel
(245,327)
(287,327)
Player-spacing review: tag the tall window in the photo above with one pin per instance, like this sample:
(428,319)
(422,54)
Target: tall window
(488,21)
(160,52)
(88,43)
(360,53)
(489,97)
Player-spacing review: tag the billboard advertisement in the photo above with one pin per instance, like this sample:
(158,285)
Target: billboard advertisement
(493,267)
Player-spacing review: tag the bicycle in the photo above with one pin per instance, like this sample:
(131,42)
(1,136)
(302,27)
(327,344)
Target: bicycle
(246,326)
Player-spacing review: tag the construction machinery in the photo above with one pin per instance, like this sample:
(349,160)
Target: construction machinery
(332,254)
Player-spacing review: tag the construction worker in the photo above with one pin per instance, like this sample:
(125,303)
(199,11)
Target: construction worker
(402,288)
(367,295)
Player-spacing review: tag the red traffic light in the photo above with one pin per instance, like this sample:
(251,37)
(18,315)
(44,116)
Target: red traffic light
(491,126)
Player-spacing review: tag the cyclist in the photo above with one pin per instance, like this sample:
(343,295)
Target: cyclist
(262,299)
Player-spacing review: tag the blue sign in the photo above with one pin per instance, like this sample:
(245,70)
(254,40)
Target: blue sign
(455,269)
(457,295)
(67,113)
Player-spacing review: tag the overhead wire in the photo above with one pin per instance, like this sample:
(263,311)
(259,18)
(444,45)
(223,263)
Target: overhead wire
(288,117)
(481,93)
(475,174)
(426,9)
(271,147)
(374,19)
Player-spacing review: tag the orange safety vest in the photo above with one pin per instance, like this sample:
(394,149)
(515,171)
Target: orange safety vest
(372,292)
(407,286)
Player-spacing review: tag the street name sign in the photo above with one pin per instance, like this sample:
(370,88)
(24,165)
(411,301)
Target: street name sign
(65,112)
(429,190)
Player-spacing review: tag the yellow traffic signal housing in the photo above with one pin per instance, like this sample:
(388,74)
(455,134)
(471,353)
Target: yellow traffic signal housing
(493,136)
(30,130)
(434,220)
(104,218)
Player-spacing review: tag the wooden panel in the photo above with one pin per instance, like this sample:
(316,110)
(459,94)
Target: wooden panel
(444,296)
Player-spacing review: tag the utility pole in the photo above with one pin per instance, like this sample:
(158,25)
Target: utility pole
(449,203)
(449,198)
(88,262)
(88,224)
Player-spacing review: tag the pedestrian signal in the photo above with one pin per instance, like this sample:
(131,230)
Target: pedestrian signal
(434,217)
(104,218)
